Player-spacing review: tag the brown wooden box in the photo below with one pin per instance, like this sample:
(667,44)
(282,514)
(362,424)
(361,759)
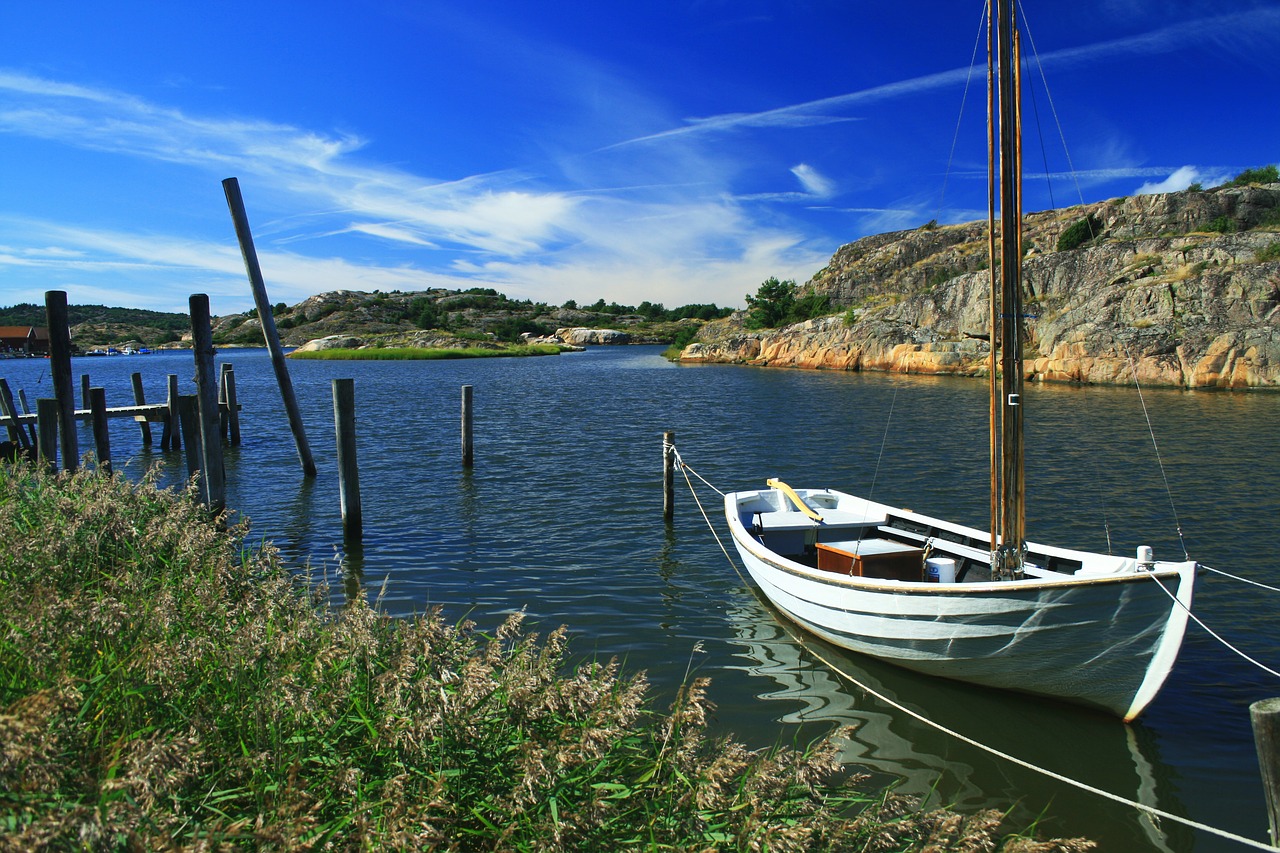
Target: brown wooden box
(872,558)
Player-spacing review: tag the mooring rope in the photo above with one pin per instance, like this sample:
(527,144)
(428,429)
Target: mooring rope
(1213,633)
(1238,578)
(1151,811)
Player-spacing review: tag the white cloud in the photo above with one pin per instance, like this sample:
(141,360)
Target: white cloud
(1182,178)
(813,182)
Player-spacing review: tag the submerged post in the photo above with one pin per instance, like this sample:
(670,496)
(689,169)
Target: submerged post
(468,447)
(101,435)
(668,476)
(140,399)
(241,220)
(344,423)
(212,477)
(55,307)
(1265,716)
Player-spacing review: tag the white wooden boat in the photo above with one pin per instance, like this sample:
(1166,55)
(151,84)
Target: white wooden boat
(1088,628)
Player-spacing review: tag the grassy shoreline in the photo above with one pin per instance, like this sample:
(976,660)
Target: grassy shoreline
(162,685)
(425,353)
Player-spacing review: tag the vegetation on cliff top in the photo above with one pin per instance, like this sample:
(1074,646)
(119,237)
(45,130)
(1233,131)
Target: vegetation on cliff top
(164,687)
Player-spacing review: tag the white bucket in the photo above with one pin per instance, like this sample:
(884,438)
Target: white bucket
(940,570)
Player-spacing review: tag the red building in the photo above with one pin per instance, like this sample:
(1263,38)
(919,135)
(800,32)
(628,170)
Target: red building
(24,340)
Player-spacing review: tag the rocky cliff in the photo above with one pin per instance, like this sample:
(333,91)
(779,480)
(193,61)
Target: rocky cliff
(1182,289)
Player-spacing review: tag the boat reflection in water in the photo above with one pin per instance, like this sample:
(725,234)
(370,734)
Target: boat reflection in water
(941,770)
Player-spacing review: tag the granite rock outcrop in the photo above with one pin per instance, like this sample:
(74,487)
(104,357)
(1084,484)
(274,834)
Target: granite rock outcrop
(1179,289)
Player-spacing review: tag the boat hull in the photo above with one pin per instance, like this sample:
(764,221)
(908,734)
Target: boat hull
(1106,640)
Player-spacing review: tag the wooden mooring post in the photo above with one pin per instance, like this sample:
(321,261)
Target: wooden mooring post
(140,399)
(344,424)
(668,476)
(229,404)
(26,410)
(468,421)
(212,477)
(171,438)
(47,426)
(235,203)
(55,308)
(1265,716)
(189,426)
(101,434)
(16,433)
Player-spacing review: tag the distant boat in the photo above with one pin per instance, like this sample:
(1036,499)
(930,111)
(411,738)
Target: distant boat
(939,598)
(144,351)
(96,352)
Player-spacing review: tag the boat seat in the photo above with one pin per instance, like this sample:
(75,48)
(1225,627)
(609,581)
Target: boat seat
(832,520)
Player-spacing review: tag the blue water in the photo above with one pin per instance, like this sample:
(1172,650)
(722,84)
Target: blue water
(561,517)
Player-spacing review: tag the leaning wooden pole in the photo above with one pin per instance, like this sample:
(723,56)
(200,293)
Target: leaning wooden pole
(212,478)
(236,204)
(55,307)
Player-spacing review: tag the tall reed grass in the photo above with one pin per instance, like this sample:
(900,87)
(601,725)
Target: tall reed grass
(163,686)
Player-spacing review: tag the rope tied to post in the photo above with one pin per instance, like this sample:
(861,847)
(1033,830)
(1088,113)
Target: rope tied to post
(1148,811)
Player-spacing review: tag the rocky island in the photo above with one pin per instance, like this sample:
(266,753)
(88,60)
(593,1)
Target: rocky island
(1181,289)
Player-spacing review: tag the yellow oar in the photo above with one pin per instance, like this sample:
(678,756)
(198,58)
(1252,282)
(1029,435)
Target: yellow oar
(775,483)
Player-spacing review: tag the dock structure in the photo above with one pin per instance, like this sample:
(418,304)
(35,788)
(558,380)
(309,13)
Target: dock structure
(144,414)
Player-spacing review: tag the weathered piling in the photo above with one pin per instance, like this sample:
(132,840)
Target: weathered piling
(171,439)
(47,426)
(26,410)
(85,401)
(227,385)
(189,426)
(1265,716)
(101,434)
(212,478)
(55,307)
(468,422)
(668,476)
(16,433)
(235,203)
(344,424)
(140,399)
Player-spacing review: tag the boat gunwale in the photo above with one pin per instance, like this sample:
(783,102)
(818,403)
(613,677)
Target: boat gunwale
(1164,569)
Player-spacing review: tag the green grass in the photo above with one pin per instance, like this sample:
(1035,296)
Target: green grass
(163,686)
(416,353)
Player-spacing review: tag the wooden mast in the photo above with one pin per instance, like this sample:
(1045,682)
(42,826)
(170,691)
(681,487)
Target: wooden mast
(1009,554)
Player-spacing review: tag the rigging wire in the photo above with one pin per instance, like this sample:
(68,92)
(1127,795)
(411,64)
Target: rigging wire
(883,441)
(1053,109)
(1035,109)
(1148,810)
(1133,368)
(960,118)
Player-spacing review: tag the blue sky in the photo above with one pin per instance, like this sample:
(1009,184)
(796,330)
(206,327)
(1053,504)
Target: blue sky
(676,152)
